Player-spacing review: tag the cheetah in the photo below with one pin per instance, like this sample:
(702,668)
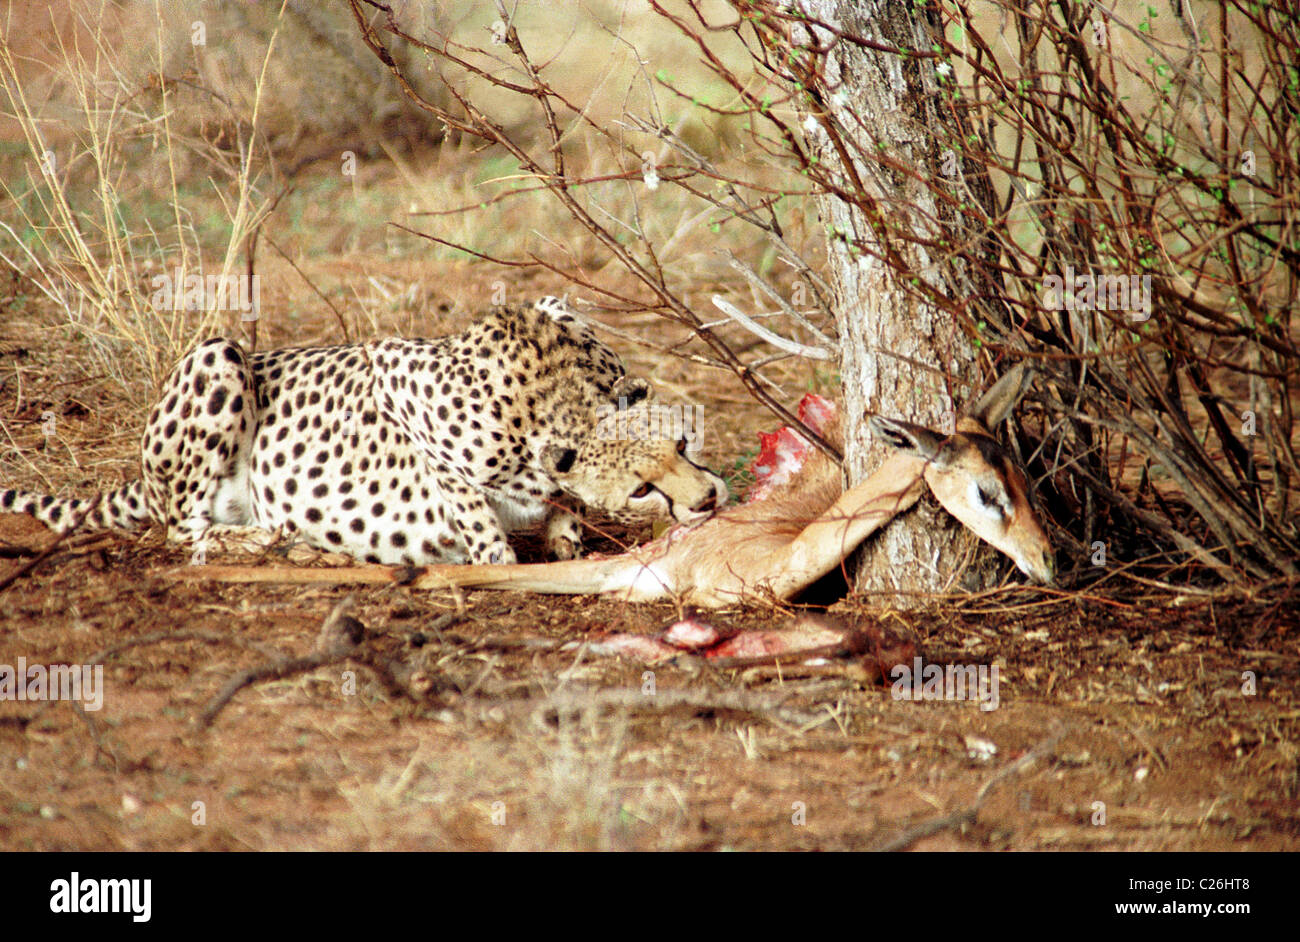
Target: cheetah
(399,451)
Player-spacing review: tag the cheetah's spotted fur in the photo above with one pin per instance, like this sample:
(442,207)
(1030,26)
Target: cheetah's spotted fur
(398,451)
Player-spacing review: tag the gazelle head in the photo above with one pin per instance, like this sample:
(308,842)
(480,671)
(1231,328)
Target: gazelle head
(977,480)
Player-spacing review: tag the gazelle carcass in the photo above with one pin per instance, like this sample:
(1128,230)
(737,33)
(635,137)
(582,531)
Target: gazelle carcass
(780,544)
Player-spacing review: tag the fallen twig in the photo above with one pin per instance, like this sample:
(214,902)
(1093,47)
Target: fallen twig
(339,635)
(967,815)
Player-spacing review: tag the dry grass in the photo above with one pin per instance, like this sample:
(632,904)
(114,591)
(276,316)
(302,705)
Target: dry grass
(72,224)
(171,155)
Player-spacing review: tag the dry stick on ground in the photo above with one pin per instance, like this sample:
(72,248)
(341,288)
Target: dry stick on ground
(86,543)
(967,815)
(338,640)
(339,636)
(435,627)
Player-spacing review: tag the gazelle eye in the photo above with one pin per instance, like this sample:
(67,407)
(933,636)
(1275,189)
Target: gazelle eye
(990,501)
(643,491)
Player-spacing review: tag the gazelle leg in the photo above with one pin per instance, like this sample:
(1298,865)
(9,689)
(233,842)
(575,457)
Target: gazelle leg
(822,545)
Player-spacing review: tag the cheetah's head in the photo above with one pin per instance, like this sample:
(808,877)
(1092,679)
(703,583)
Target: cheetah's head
(632,470)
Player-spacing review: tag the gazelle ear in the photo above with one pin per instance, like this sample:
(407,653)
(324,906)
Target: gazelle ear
(996,404)
(906,436)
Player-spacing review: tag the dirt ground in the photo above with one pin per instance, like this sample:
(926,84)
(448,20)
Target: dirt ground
(526,742)
(1125,720)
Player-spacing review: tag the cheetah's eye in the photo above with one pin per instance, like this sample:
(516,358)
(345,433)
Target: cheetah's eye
(643,491)
(564,459)
(681,447)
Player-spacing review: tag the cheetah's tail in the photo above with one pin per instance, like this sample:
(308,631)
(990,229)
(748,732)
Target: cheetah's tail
(121,508)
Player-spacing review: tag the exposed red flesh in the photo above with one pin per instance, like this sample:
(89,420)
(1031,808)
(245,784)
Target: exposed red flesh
(782,453)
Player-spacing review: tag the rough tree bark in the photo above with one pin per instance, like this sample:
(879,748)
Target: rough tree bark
(900,356)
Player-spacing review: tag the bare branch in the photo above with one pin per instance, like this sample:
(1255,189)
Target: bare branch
(758,330)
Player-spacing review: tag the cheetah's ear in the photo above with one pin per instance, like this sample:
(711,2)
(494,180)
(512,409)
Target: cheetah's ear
(556,459)
(629,390)
(553,307)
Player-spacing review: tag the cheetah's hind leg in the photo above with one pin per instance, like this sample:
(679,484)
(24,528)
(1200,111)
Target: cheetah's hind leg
(198,440)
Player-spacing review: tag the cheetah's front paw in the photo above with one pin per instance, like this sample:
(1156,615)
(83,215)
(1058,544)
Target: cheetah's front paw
(564,536)
(500,556)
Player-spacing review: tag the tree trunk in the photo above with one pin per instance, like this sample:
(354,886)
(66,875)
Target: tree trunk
(899,355)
